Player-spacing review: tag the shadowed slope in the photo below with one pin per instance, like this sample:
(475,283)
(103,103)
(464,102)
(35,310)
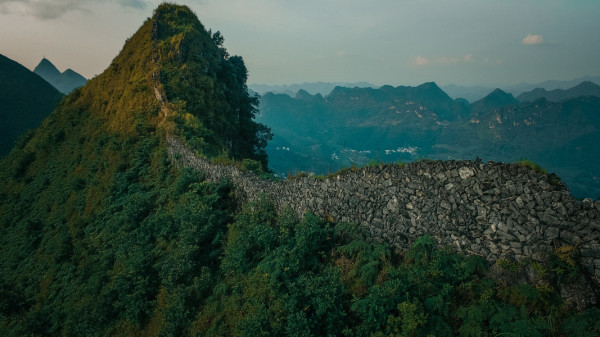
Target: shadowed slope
(25,100)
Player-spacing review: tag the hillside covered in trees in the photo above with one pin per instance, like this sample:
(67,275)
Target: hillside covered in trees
(102,235)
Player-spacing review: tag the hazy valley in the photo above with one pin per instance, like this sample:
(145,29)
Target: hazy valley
(357,126)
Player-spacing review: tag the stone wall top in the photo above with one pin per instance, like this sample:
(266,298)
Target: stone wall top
(490,209)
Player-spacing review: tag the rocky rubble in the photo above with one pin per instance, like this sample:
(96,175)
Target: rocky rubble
(495,210)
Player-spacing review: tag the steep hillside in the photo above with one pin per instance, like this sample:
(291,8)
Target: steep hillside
(93,218)
(65,82)
(25,99)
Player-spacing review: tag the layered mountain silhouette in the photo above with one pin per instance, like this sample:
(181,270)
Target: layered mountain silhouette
(65,82)
(355,126)
(25,100)
(496,99)
(586,88)
(313,88)
(474,93)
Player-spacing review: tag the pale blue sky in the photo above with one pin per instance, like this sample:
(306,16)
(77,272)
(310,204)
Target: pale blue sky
(397,42)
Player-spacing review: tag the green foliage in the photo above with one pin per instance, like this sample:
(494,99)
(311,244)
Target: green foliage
(421,251)
(509,266)
(253,166)
(528,163)
(276,280)
(409,321)
(361,262)
(156,230)
(375,163)
(207,88)
(563,262)
(583,324)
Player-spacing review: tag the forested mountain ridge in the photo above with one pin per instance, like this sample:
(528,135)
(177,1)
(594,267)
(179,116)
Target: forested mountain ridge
(101,234)
(91,210)
(25,100)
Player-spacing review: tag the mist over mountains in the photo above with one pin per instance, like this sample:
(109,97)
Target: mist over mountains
(313,88)
(586,88)
(355,126)
(471,93)
(474,93)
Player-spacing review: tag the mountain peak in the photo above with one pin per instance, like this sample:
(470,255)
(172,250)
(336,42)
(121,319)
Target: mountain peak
(306,96)
(47,70)
(432,90)
(45,63)
(501,96)
(429,85)
(496,99)
(586,85)
(65,82)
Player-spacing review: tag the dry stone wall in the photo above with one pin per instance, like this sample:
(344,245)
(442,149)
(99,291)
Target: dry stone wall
(490,209)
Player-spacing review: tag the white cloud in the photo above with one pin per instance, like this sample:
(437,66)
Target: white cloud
(53,9)
(532,39)
(468,57)
(421,61)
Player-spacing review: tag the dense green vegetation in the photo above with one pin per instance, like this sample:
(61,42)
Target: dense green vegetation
(206,88)
(305,277)
(92,211)
(101,235)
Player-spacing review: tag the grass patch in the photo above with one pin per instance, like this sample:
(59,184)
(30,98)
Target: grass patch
(528,163)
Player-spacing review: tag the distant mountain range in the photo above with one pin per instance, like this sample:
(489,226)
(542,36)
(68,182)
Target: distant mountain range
(25,100)
(312,88)
(355,126)
(65,82)
(470,93)
(474,93)
(583,89)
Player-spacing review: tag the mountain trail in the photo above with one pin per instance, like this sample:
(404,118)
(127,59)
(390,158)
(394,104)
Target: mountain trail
(159,92)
